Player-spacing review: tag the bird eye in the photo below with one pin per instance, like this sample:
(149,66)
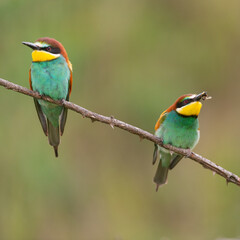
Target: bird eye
(186,101)
(48,49)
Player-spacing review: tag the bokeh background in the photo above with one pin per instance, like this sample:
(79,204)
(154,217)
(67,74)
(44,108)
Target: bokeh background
(131,59)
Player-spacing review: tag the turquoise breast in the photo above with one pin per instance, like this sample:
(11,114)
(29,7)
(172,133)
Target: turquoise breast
(51,78)
(179,131)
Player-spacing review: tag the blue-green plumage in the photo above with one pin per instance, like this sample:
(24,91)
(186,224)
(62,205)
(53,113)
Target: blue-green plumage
(51,78)
(179,127)
(179,131)
(50,75)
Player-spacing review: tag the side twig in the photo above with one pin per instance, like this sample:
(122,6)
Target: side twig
(113,122)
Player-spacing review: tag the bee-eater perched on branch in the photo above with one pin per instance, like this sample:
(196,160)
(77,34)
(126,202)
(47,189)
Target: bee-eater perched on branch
(178,126)
(51,75)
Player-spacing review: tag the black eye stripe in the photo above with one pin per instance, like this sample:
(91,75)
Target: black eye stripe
(184,102)
(54,50)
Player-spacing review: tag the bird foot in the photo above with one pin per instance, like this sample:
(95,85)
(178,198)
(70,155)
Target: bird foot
(189,152)
(112,122)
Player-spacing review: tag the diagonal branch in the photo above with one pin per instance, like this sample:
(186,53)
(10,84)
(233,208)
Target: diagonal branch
(113,122)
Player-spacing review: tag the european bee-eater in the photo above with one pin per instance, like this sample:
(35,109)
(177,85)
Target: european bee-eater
(50,75)
(178,126)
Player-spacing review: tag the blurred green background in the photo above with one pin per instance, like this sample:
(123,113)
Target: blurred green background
(131,59)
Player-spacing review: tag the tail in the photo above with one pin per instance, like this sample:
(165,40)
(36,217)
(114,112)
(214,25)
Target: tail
(53,137)
(160,177)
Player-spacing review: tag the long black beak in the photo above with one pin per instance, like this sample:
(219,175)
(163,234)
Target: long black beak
(201,96)
(31,45)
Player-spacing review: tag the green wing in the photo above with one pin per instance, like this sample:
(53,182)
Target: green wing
(155,153)
(175,161)
(41,117)
(40,114)
(63,117)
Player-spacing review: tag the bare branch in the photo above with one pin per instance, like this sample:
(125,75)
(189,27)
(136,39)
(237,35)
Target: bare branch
(113,122)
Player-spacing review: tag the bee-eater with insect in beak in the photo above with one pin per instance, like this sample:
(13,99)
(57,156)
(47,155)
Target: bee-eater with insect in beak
(178,126)
(50,75)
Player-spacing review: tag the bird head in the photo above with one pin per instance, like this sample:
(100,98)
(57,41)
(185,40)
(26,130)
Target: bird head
(189,105)
(47,49)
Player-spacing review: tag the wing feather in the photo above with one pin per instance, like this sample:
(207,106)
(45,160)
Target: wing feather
(30,80)
(63,117)
(160,120)
(41,117)
(40,114)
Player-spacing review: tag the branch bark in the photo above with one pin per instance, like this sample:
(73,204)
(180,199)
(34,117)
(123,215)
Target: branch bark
(113,122)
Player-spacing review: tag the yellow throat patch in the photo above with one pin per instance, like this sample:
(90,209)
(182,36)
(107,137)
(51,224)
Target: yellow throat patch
(42,56)
(192,109)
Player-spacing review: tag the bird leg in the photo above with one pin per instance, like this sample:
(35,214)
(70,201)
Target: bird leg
(188,152)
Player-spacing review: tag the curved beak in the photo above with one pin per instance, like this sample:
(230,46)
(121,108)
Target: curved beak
(201,96)
(31,45)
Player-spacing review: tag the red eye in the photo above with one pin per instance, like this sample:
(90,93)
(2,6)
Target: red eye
(49,49)
(186,101)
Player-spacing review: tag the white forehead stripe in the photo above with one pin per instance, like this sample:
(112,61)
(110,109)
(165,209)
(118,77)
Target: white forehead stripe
(192,96)
(39,44)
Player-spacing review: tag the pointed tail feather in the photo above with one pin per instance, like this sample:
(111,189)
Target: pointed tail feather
(53,137)
(160,177)
(55,150)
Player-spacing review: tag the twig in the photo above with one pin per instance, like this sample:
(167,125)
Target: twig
(113,122)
